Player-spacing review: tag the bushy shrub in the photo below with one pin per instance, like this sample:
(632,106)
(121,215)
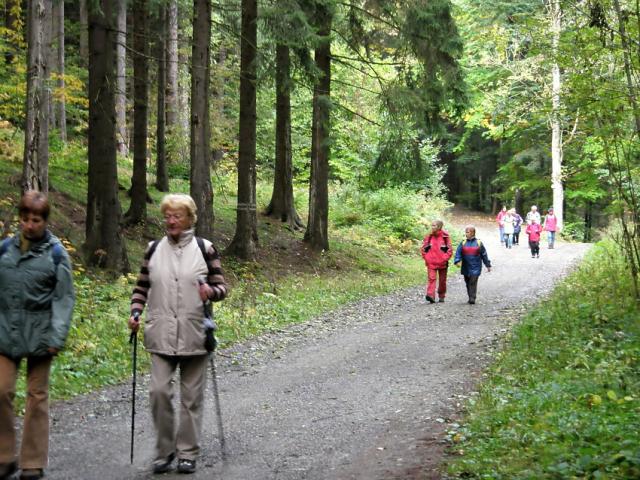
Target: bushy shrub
(395,213)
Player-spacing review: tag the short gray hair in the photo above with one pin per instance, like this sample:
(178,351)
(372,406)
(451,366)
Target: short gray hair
(177,201)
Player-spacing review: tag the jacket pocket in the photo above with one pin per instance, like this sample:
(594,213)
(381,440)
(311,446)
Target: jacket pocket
(37,332)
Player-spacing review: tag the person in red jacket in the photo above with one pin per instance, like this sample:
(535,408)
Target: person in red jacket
(436,251)
(534,230)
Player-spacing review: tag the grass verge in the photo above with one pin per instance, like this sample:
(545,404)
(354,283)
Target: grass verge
(563,399)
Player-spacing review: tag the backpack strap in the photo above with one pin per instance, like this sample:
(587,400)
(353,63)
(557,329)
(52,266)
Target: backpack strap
(152,249)
(56,253)
(203,249)
(5,245)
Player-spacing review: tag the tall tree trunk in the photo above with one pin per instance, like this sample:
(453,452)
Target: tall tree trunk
(104,245)
(184,100)
(245,240)
(588,221)
(84,30)
(35,168)
(201,189)
(122,135)
(556,124)
(282,205)
(218,96)
(138,209)
(632,89)
(162,180)
(171,85)
(317,227)
(60,103)
(518,202)
(184,93)
(52,61)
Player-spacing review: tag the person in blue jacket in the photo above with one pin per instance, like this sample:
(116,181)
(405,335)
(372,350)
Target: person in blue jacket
(36,305)
(471,254)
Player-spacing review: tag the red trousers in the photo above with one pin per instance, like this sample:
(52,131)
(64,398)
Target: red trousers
(441,274)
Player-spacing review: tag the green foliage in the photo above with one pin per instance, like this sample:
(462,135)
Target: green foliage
(388,215)
(404,159)
(562,400)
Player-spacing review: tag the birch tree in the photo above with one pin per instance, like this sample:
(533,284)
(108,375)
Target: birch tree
(121,77)
(555,15)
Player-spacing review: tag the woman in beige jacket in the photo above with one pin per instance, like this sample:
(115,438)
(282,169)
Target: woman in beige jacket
(174,335)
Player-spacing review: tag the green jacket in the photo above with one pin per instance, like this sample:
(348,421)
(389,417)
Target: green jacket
(36,299)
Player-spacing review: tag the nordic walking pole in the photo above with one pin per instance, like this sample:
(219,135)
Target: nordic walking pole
(210,346)
(216,397)
(133,338)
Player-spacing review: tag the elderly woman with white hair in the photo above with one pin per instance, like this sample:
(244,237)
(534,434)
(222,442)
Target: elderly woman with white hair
(171,285)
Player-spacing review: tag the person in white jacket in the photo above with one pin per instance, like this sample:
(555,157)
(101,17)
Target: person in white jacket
(168,284)
(508,222)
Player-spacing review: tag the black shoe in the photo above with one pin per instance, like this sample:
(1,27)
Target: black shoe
(31,474)
(163,466)
(7,470)
(441,300)
(186,466)
(471,302)
(430,299)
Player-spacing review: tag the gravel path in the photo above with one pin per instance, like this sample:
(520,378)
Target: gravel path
(362,393)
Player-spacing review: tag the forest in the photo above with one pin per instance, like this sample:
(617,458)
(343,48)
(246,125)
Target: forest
(516,102)
(315,136)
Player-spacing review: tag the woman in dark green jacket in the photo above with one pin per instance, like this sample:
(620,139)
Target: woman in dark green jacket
(36,303)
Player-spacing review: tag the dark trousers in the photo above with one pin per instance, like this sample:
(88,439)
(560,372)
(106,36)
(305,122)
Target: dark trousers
(516,238)
(535,247)
(472,286)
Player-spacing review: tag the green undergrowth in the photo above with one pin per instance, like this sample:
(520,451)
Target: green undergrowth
(562,401)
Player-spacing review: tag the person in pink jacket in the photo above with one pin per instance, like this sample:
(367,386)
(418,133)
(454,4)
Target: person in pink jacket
(534,229)
(550,226)
(500,221)
(436,251)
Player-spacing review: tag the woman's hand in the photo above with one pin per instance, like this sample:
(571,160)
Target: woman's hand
(205,291)
(134,323)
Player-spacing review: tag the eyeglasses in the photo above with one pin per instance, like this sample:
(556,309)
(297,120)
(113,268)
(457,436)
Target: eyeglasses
(173,216)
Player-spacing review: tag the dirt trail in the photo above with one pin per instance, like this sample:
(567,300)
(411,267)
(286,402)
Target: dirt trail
(362,393)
